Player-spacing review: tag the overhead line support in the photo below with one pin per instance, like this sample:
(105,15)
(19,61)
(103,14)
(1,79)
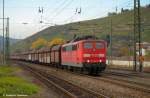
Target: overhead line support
(137,36)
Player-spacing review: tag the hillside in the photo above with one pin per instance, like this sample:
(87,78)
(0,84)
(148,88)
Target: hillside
(122,27)
(12,41)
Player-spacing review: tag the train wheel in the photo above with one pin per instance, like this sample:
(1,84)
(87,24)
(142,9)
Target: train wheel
(62,67)
(81,70)
(94,70)
(71,69)
(97,71)
(90,71)
(76,69)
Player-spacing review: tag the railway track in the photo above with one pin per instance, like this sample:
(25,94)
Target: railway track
(122,82)
(127,73)
(128,80)
(125,83)
(117,81)
(110,77)
(68,89)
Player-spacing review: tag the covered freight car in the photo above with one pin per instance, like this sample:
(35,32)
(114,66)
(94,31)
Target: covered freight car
(56,55)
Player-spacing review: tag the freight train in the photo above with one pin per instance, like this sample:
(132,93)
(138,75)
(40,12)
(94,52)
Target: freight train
(88,55)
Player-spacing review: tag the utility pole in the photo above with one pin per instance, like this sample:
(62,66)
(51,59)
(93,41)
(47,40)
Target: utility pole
(110,41)
(41,10)
(134,38)
(137,35)
(7,42)
(3,61)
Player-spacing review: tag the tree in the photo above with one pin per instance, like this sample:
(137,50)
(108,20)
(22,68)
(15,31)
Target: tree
(39,43)
(56,41)
(148,6)
(124,10)
(112,13)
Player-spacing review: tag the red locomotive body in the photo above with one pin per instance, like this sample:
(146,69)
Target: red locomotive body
(85,54)
(89,55)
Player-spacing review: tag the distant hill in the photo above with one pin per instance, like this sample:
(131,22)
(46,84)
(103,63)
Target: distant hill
(12,41)
(122,28)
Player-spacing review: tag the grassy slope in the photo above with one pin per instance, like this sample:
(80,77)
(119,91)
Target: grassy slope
(100,27)
(11,84)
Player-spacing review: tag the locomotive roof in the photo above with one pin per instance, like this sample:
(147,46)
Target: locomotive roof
(57,47)
(71,43)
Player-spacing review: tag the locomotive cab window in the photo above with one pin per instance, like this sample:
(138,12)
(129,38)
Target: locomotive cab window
(64,48)
(74,47)
(69,48)
(99,45)
(87,45)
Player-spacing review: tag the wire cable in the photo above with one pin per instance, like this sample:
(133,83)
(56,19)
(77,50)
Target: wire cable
(59,12)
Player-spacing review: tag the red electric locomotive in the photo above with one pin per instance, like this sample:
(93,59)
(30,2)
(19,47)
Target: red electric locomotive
(85,54)
(89,55)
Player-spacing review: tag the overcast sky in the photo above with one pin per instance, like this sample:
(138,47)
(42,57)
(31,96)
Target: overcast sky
(25,17)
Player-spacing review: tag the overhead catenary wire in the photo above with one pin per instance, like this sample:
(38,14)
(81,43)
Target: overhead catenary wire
(70,16)
(56,10)
(60,11)
(57,7)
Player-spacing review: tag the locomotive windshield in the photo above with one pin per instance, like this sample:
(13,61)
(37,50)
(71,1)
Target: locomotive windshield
(87,45)
(99,45)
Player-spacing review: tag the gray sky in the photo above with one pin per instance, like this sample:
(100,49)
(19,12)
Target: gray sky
(55,12)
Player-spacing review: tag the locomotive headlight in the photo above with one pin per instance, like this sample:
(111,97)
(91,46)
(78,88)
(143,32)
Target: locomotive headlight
(86,55)
(100,61)
(88,61)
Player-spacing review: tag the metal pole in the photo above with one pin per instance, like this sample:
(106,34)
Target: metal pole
(137,35)
(134,38)
(129,48)
(7,42)
(139,32)
(2,53)
(111,41)
(3,35)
